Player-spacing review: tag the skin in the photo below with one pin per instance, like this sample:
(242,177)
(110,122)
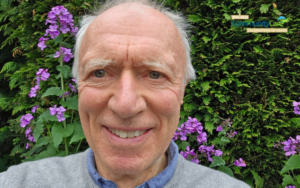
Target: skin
(126,97)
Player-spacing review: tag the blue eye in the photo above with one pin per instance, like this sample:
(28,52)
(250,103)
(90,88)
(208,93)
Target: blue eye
(154,75)
(99,73)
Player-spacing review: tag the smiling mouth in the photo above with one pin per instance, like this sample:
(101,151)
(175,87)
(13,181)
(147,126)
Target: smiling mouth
(126,134)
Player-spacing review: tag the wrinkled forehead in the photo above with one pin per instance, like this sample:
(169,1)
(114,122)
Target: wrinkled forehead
(137,21)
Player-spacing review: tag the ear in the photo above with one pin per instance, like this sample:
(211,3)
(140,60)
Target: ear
(181,101)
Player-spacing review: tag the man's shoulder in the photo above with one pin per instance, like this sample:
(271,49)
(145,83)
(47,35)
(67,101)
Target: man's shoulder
(49,171)
(188,174)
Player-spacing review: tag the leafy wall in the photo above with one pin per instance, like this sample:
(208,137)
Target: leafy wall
(251,78)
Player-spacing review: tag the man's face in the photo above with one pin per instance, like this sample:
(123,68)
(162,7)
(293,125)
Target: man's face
(131,69)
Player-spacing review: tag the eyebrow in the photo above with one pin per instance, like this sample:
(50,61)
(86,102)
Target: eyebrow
(103,63)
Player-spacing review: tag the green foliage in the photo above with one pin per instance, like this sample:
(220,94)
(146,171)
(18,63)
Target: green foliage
(252,78)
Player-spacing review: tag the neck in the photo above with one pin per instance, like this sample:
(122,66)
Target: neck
(135,179)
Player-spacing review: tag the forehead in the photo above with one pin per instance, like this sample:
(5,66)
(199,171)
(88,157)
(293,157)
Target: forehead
(132,25)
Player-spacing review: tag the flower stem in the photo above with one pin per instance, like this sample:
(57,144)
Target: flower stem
(78,146)
(63,98)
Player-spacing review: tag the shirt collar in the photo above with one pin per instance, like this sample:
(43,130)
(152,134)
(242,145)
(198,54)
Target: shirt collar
(158,181)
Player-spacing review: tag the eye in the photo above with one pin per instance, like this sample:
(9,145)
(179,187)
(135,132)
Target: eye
(154,75)
(99,73)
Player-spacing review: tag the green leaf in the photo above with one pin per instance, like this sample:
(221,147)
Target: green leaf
(287,180)
(226,170)
(42,141)
(194,18)
(78,132)
(71,103)
(291,164)
(205,85)
(225,140)
(217,161)
(68,130)
(7,66)
(224,58)
(236,1)
(209,126)
(50,152)
(51,55)
(57,134)
(227,16)
(259,182)
(206,39)
(53,91)
(65,70)
(67,45)
(59,39)
(46,116)
(182,146)
(264,8)
(206,100)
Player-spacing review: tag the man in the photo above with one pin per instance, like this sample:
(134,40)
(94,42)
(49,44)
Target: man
(132,63)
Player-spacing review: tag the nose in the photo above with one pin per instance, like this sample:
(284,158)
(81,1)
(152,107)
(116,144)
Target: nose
(127,100)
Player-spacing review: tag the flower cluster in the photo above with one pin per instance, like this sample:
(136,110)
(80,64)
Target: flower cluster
(60,20)
(42,44)
(290,146)
(27,134)
(72,87)
(25,120)
(190,154)
(291,186)
(65,52)
(34,108)
(225,125)
(296,107)
(41,74)
(240,163)
(66,94)
(208,151)
(191,126)
(59,112)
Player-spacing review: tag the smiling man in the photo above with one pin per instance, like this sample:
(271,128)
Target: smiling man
(132,63)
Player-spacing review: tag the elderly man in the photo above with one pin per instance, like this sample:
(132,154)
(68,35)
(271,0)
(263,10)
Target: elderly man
(132,62)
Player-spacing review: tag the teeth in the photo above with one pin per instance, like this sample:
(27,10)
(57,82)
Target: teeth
(137,133)
(130,134)
(124,134)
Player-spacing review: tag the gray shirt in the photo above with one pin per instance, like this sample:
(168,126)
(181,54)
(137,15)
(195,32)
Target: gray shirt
(72,171)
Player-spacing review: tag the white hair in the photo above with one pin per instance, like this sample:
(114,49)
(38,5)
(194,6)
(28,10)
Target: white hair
(177,18)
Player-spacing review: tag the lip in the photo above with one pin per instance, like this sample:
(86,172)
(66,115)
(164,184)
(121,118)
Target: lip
(127,130)
(114,139)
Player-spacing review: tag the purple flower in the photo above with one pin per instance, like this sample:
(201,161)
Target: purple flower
(67,54)
(297,110)
(296,103)
(28,131)
(240,163)
(195,160)
(219,128)
(27,146)
(64,29)
(60,117)
(291,186)
(66,94)
(39,72)
(33,91)
(202,137)
(218,153)
(31,138)
(74,80)
(45,75)
(42,44)
(72,87)
(34,108)
(53,110)
(25,120)
(52,31)
(60,110)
